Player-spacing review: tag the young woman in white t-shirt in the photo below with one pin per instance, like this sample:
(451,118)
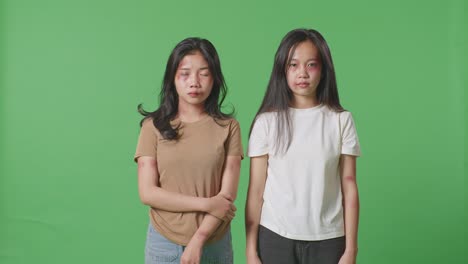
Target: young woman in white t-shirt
(302,204)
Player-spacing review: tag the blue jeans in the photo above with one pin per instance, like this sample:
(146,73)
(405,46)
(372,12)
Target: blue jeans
(159,250)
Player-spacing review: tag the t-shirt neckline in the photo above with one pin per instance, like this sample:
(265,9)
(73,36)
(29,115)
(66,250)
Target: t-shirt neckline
(306,110)
(199,121)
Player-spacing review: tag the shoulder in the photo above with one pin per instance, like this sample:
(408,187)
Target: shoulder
(224,125)
(148,125)
(264,123)
(346,115)
(147,122)
(266,117)
(345,120)
(224,121)
(343,115)
(228,123)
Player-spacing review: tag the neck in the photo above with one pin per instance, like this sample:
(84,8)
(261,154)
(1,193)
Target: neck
(302,102)
(190,113)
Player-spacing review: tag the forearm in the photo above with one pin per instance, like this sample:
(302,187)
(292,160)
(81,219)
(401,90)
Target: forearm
(153,195)
(193,250)
(253,207)
(252,223)
(206,229)
(159,198)
(350,201)
(229,184)
(351,217)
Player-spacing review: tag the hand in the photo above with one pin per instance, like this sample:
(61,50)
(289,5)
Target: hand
(221,207)
(253,259)
(192,252)
(348,257)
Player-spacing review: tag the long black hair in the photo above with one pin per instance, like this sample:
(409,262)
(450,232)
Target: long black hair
(278,96)
(168,98)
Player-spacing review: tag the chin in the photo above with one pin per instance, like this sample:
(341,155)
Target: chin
(196,102)
(304,92)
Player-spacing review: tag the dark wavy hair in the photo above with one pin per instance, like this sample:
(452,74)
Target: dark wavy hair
(168,98)
(278,96)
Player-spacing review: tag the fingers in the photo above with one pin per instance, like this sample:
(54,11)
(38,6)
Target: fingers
(229,216)
(231,213)
(223,214)
(187,260)
(222,208)
(220,217)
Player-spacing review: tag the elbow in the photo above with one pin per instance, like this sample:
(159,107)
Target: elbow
(228,195)
(249,222)
(349,183)
(349,179)
(144,197)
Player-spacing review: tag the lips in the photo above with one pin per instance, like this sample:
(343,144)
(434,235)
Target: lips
(193,94)
(303,84)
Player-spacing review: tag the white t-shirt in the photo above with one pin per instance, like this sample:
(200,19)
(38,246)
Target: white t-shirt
(302,197)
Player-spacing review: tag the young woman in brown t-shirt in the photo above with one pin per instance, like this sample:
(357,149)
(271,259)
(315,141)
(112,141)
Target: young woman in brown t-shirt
(189,155)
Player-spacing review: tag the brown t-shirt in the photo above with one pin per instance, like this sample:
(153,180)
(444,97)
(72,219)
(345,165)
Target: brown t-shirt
(192,165)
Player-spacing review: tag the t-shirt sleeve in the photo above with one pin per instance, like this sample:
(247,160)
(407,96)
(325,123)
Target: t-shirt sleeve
(234,142)
(147,141)
(258,144)
(349,138)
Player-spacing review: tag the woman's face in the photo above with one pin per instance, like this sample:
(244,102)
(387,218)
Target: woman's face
(193,79)
(304,70)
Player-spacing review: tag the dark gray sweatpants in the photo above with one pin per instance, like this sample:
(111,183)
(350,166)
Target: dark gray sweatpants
(275,249)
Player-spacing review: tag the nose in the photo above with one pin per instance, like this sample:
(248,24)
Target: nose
(303,72)
(194,81)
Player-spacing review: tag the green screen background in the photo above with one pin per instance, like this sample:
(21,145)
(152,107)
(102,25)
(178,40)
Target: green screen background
(73,72)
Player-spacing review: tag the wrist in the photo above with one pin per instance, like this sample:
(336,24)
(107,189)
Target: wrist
(199,238)
(251,252)
(205,205)
(351,250)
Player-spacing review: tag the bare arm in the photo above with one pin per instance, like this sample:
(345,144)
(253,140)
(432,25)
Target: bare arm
(351,206)
(229,185)
(253,208)
(153,195)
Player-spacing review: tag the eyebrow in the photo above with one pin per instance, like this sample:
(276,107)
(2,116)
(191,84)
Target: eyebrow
(313,59)
(187,69)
